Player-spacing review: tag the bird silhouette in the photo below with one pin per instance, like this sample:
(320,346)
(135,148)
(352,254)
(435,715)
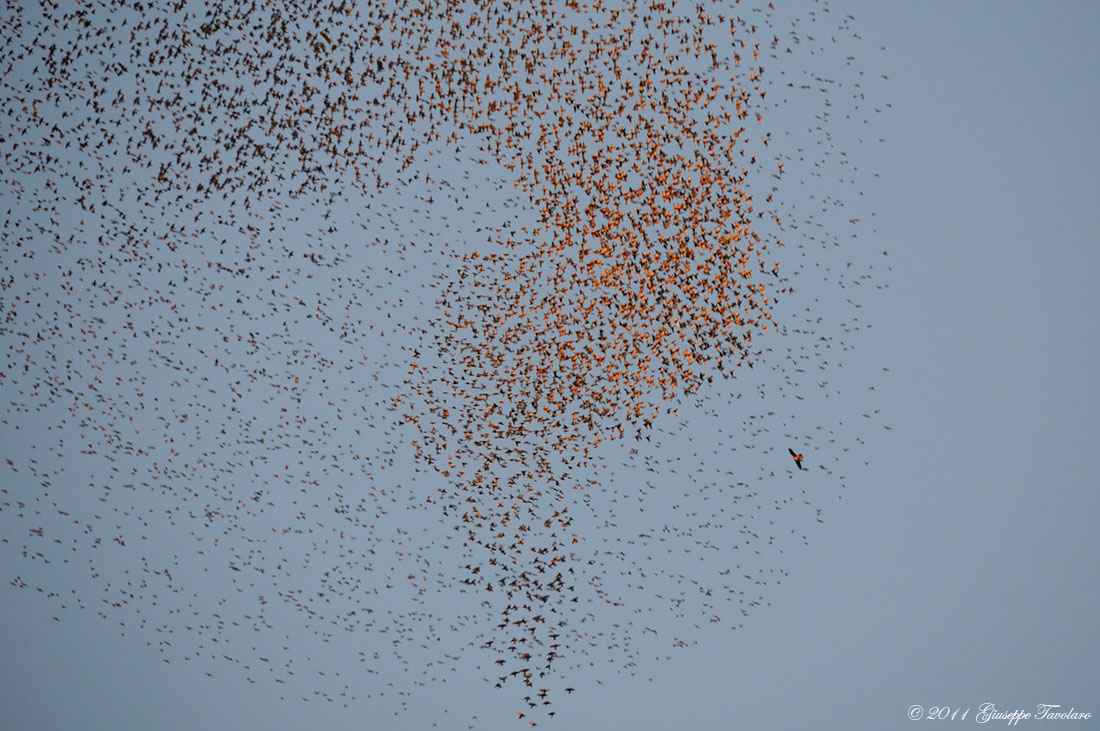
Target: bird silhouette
(332,318)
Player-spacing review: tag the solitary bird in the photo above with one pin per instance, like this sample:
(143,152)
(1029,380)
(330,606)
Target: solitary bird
(797,458)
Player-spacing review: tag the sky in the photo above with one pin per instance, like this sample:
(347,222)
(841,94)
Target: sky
(957,567)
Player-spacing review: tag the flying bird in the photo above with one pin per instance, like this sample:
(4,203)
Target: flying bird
(267,396)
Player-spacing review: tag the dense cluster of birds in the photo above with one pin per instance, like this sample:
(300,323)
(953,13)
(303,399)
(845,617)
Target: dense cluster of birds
(398,322)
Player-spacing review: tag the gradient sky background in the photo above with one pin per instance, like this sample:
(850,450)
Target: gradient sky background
(961,566)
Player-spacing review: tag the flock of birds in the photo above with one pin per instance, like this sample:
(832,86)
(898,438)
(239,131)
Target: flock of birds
(418,328)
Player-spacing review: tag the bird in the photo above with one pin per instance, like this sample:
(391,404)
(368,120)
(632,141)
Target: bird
(322,299)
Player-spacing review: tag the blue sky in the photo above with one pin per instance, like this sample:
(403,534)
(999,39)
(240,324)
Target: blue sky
(957,568)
